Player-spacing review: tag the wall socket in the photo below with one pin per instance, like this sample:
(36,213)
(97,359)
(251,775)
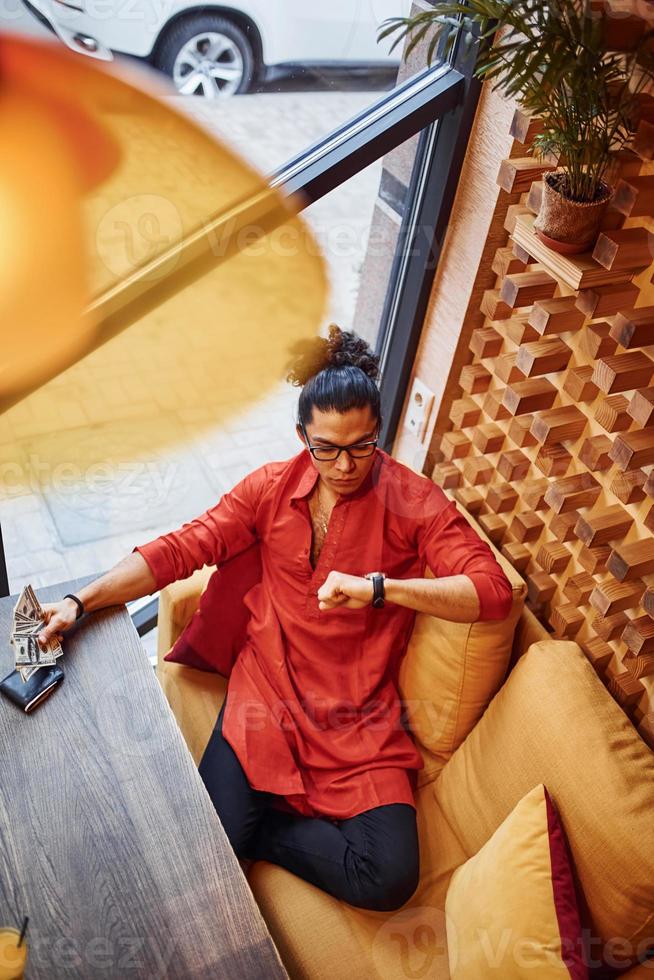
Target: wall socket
(419,407)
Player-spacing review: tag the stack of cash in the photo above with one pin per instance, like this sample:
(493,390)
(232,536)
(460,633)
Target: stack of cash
(29,619)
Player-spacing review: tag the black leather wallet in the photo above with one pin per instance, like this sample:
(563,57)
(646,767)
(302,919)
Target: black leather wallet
(28,695)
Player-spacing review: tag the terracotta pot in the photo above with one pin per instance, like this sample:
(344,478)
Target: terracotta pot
(569,226)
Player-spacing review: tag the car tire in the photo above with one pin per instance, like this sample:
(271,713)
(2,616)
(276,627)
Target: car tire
(187,54)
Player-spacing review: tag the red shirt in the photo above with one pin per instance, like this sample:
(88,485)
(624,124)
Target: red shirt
(313,712)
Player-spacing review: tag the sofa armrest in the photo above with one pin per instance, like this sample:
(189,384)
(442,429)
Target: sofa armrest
(177,603)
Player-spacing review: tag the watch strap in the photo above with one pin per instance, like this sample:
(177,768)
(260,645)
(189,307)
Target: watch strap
(378,593)
(80,604)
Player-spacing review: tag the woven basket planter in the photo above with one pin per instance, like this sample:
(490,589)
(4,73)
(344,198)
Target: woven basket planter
(565,225)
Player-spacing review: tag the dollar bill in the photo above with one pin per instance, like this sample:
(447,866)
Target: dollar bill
(29,651)
(20,618)
(25,629)
(28,621)
(28,606)
(30,648)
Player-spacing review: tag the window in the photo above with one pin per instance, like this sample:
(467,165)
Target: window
(378,187)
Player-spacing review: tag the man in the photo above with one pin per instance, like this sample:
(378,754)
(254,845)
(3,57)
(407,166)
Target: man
(320,782)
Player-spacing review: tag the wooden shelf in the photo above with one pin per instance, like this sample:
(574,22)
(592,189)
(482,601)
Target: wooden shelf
(577,271)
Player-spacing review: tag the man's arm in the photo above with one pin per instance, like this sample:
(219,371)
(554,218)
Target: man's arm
(469,585)
(219,534)
(460,561)
(453,597)
(130,579)
(216,535)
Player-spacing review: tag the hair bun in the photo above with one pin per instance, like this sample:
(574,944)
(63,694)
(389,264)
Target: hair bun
(342,348)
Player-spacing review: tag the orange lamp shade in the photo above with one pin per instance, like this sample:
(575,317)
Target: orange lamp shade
(144,265)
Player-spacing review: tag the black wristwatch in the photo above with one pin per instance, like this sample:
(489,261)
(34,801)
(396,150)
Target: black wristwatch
(377,588)
(80,604)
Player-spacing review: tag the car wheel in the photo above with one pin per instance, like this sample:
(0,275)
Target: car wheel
(207,55)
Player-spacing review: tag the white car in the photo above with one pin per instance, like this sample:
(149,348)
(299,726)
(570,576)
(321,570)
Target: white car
(217,50)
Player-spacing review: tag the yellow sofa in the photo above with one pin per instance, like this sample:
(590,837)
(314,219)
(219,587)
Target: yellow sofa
(496,708)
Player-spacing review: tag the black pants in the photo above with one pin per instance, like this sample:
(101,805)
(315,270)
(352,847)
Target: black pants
(370,860)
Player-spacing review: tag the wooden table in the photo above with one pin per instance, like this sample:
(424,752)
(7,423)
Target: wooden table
(108,838)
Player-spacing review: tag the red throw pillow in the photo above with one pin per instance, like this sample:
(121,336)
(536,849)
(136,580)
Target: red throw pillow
(215,634)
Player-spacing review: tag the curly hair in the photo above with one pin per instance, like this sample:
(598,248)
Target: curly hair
(336,373)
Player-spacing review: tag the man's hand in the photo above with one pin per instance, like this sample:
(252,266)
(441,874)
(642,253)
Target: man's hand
(340,589)
(59,616)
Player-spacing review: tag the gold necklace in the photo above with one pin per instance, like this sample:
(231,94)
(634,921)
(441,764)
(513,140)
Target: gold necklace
(320,515)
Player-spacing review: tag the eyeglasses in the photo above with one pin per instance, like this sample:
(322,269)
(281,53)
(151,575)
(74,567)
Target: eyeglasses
(326,454)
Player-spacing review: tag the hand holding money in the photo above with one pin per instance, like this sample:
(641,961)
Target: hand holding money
(29,620)
(58,617)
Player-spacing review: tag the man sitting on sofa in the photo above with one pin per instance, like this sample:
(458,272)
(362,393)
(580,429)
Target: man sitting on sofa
(320,778)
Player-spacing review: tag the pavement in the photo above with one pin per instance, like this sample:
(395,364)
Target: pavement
(54,536)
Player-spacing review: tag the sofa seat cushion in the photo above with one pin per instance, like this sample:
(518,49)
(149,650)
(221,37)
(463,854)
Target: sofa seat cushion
(321,938)
(318,936)
(451,671)
(554,722)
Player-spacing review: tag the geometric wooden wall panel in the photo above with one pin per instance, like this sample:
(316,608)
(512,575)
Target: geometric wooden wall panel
(551,445)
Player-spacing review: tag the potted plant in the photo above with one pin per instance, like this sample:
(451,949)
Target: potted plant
(558,59)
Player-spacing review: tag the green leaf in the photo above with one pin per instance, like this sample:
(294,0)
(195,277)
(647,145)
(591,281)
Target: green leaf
(551,56)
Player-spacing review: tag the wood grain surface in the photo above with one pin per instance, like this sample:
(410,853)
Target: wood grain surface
(108,838)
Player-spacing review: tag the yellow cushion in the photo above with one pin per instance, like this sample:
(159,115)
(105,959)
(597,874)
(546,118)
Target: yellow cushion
(320,938)
(554,722)
(452,670)
(500,911)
